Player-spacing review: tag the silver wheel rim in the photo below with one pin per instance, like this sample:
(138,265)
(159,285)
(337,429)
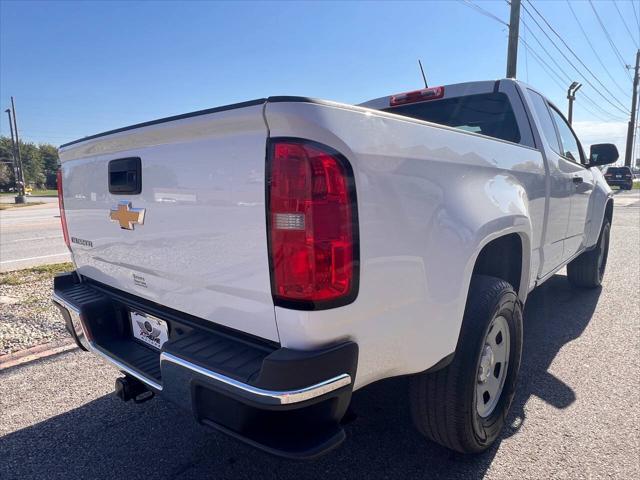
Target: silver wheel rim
(492,366)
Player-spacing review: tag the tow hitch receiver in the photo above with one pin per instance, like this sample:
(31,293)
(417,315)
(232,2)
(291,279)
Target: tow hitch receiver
(128,388)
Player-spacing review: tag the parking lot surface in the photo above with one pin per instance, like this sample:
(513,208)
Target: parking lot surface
(576,413)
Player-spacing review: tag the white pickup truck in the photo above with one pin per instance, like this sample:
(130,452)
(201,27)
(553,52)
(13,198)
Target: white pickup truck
(257,263)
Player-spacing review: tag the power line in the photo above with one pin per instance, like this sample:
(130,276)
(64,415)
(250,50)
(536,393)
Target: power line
(570,50)
(594,50)
(613,45)
(526,55)
(550,71)
(559,81)
(558,66)
(600,117)
(554,72)
(596,89)
(567,78)
(624,23)
(635,14)
(484,12)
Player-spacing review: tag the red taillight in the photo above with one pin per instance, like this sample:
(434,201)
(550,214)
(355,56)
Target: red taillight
(63,219)
(312,221)
(417,96)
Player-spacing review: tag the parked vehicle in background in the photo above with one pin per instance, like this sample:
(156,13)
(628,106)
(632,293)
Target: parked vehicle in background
(619,177)
(257,263)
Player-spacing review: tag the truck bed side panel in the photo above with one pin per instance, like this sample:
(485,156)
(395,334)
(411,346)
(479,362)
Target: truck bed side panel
(429,199)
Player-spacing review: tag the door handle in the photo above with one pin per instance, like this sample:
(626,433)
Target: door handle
(577,180)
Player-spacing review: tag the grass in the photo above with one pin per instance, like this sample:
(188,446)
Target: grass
(35,193)
(10,279)
(7,206)
(44,193)
(50,269)
(27,274)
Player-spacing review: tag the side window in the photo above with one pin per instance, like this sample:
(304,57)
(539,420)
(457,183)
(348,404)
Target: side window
(570,148)
(546,122)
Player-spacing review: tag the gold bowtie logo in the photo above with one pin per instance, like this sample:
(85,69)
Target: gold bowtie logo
(127,216)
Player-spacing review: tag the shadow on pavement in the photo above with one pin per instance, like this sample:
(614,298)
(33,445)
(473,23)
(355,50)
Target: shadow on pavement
(108,439)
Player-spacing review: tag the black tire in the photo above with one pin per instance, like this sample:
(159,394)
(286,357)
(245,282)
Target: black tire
(587,270)
(443,403)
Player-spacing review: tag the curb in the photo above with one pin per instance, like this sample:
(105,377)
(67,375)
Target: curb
(35,353)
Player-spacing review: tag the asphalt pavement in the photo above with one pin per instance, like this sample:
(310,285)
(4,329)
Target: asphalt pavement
(31,236)
(576,413)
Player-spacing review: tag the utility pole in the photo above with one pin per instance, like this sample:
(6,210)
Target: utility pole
(20,198)
(13,149)
(632,120)
(514,29)
(571,96)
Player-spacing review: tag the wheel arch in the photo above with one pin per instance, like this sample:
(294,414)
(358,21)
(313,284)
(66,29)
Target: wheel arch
(504,257)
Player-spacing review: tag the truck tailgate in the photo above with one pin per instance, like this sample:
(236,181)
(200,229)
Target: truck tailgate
(201,246)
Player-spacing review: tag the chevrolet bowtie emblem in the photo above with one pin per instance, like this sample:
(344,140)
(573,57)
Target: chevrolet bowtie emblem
(127,216)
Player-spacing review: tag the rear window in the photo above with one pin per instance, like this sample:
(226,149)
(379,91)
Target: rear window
(488,114)
(618,170)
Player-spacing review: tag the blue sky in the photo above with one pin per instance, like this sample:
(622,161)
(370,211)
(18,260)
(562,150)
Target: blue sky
(78,68)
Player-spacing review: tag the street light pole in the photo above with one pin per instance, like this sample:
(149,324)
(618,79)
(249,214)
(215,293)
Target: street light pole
(16,176)
(571,96)
(20,198)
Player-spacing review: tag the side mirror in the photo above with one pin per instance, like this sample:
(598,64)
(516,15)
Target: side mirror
(603,154)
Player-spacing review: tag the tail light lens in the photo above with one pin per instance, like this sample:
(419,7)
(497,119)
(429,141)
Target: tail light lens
(312,222)
(63,219)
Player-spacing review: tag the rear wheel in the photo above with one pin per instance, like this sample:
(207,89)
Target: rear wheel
(587,270)
(464,405)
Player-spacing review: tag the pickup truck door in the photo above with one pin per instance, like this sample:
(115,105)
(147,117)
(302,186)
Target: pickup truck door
(571,162)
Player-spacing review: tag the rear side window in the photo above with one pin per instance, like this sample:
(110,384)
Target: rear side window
(546,122)
(488,114)
(618,170)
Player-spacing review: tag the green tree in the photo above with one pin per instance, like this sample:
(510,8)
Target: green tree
(50,161)
(32,165)
(6,169)
(39,162)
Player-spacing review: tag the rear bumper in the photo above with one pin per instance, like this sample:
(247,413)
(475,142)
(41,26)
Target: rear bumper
(287,402)
(619,182)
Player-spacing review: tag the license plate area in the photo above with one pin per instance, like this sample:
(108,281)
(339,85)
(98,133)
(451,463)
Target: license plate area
(148,329)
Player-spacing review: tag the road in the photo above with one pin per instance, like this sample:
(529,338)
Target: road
(31,236)
(576,414)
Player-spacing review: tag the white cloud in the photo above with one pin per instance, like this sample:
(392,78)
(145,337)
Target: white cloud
(590,132)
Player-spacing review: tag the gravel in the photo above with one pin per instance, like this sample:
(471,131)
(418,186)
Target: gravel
(27,316)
